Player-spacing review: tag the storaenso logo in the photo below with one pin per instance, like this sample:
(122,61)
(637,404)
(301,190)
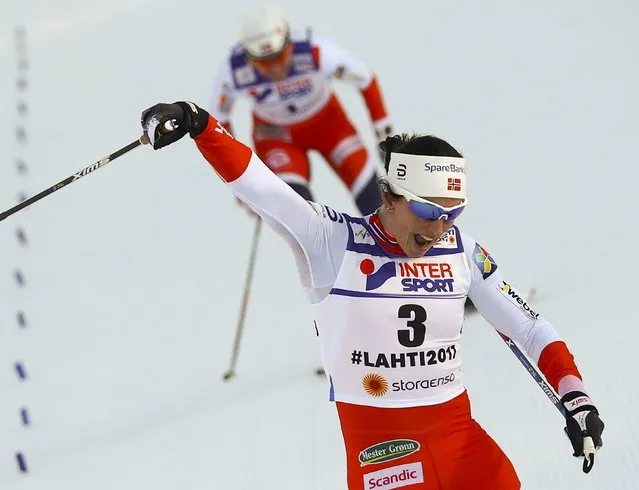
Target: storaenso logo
(423,384)
(431,167)
(509,291)
(388,451)
(91,168)
(401,170)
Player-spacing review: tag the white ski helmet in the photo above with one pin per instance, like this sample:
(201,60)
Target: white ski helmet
(265,33)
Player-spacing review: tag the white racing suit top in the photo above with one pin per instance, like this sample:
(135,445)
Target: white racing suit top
(389,325)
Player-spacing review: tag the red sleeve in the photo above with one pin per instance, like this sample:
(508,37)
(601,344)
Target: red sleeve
(316,54)
(374,101)
(228,126)
(555,362)
(228,157)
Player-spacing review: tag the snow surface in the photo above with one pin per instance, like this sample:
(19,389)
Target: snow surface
(134,274)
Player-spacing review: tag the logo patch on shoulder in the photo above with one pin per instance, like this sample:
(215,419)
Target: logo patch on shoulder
(245,75)
(484,262)
(224,104)
(361,235)
(303,62)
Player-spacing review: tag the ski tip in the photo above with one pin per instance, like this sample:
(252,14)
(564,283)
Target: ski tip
(228,375)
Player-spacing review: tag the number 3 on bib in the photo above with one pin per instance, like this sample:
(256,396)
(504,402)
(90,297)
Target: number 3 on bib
(415,335)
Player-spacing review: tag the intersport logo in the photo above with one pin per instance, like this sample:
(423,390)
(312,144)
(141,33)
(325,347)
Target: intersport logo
(429,277)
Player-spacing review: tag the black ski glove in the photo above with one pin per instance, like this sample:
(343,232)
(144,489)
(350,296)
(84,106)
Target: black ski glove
(164,124)
(583,426)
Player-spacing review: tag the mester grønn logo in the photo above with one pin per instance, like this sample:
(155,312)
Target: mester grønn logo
(388,451)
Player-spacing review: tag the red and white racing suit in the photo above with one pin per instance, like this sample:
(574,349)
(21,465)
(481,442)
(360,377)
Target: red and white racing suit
(302,112)
(390,329)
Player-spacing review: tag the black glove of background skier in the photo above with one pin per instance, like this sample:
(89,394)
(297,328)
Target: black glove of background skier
(164,124)
(583,425)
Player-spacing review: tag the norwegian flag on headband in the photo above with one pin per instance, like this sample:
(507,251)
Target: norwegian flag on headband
(454,184)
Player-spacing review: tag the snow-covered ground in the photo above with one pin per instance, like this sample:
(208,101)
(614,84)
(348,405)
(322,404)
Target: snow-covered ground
(134,275)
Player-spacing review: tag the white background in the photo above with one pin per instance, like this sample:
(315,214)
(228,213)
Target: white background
(134,274)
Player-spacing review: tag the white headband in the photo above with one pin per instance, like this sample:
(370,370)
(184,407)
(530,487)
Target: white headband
(428,176)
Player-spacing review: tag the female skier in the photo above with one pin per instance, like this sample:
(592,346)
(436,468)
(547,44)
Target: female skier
(388,292)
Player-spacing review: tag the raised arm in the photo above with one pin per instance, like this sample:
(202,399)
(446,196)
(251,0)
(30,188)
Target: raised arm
(334,61)
(317,241)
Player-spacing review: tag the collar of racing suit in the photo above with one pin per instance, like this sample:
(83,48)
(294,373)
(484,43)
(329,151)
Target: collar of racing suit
(381,236)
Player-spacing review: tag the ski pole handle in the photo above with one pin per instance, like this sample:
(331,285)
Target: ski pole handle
(589,454)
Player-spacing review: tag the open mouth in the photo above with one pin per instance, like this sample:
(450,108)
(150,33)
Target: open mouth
(422,240)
